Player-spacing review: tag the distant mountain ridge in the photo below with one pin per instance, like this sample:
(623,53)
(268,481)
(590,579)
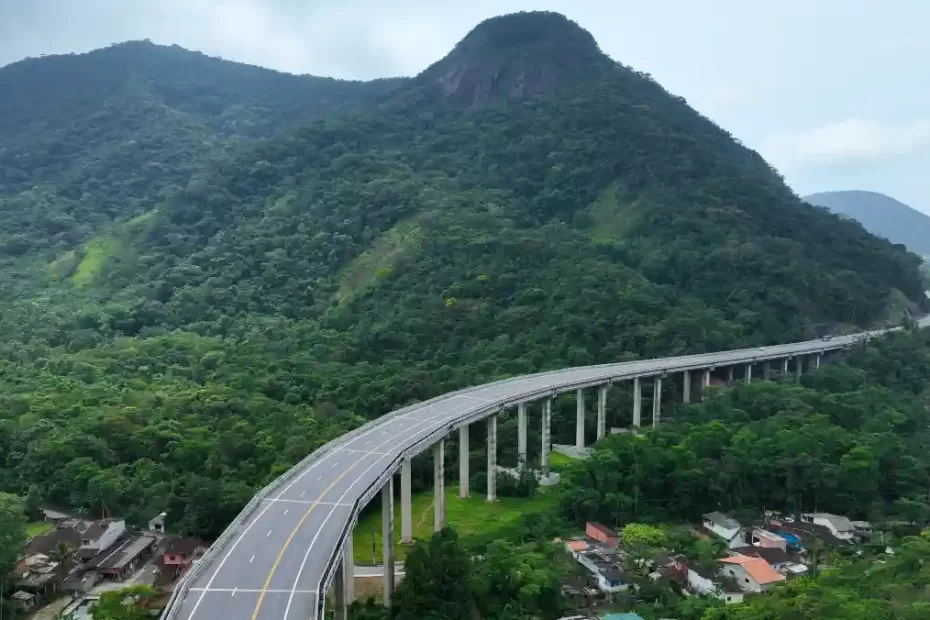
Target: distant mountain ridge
(881,215)
(89,138)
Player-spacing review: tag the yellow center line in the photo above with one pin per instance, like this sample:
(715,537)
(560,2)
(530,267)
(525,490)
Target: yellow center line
(274,567)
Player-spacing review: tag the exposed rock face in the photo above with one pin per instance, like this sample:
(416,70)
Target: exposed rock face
(517,56)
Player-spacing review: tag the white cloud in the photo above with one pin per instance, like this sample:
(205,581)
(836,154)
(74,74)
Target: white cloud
(854,141)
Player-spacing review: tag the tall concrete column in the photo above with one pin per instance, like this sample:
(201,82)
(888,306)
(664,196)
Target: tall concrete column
(686,387)
(463,461)
(798,367)
(601,412)
(492,458)
(348,570)
(657,402)
(387,539)
(439,485)
(637,403)
(579,419)
(784,366)
(729,375)
(341,608)
(705,383)
(406,516)
(817,361)
(521,434)
(749,373)
(546,421)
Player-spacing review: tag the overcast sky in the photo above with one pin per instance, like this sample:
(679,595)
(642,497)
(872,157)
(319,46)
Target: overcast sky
(836,94)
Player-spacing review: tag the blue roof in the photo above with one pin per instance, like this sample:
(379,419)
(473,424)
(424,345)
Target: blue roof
(627,616)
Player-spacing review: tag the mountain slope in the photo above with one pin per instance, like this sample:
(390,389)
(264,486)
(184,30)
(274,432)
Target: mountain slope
(553,208)
(91,137)
(881,215)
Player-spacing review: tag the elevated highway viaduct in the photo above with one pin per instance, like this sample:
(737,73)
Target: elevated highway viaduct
(293,542)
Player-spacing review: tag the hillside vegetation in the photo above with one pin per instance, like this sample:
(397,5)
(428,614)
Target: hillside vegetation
(88,138)
(526,203)
(881,215)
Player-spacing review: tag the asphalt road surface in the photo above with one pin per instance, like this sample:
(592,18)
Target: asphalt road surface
(269,565)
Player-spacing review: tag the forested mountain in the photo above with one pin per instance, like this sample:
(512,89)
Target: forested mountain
(526,203)
(86,138)
(882,215)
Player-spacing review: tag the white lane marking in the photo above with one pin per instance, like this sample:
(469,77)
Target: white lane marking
(302,493)
(334,465)
(205,590)
(234,591)
(269,533)
(317,479)
(252,559)
(285,510)
(303,562)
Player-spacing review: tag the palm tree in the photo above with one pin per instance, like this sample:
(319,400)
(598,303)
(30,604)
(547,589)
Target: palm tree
(62,551)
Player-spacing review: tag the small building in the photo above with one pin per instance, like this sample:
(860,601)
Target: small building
(601,533)
(122,559)
(751,574)
(576,546)
(764,538)
(725,527)
(100,536)
(626,616)
(24,601)
(183,550)
(777,558)
(840,527)
(862,529)
(607,570)
(157,524)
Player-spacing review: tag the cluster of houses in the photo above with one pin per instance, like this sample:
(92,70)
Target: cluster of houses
(757,557)
(77,554)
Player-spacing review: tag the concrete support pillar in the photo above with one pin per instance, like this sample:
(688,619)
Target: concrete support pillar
(406,516)
(348,570)
(729,375)
(521,434)
(798,367)
(817,361)
(657,402)
(546,422)
(601,412)
(387,539)
(579,420)
(705,383)
(463,461)
(686,387)
(637,403)
(439,485)
(749,373)
(492,458)
(341,608)
(784,366)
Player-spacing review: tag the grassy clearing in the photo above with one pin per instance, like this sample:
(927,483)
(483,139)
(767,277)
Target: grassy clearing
(35,528)
(96,253)
(470,517)
(378,262)
(558,461)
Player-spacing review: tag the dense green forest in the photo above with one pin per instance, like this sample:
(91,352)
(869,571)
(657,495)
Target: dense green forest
(86,139)
(193,302)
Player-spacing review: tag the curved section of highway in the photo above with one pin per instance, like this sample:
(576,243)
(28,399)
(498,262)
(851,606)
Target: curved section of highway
(285,546)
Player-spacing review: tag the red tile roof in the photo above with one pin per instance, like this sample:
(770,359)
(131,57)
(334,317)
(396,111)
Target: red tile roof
(757,568)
